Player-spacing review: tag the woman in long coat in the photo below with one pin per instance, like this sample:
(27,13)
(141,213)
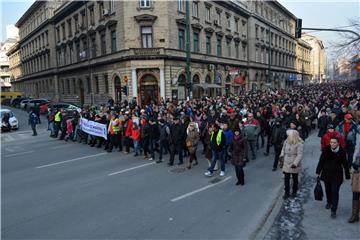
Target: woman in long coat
(238,155)
(192,141)
(292,155)
(330,169)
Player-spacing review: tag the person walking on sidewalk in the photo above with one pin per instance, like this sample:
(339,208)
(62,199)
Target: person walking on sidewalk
(237,155)
(33,121)
(177,140)
(330,169)
(292,155)
(356,195)
(252,129)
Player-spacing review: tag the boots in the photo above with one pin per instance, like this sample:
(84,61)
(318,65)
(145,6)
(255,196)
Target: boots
(355,211)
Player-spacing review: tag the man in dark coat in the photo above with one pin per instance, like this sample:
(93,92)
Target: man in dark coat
(177,140)
(217,144)
(330,169)
(278,136)
(323,122)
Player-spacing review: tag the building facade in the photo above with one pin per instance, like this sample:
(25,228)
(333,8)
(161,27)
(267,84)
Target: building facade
(303,62)
(5,72)
(88,51)
(318,59)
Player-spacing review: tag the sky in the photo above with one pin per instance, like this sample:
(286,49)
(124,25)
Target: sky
(317,13)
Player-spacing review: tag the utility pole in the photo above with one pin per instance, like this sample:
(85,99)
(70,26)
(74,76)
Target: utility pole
(188,54)
(270,59)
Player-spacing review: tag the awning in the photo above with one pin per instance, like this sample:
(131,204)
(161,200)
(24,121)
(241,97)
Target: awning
(207,85)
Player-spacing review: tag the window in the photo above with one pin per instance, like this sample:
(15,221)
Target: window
(256,55)
(145,3)
(218,15)
(74,85)
(207,14)
(106,82)
(113,41)
(181,5)
(67,86)
(93,46)
(112,6)
(196,42)
(262,34)
(195,9)
(208,44)
(237,50)
(181,39)
(71,51)
(83,19)
(69,28)
(257,32)
(146,37)
(58,34)
(92,17)
(76,19)
(88,85)
(63,30)
(228,19)
(101,10)
(77,48)
(228,43)
(96,79)
(218,46)
(236,25)
(103,43)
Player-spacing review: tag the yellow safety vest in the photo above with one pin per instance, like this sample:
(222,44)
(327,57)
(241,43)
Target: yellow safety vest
(57,117)
(218,137)
(117,127)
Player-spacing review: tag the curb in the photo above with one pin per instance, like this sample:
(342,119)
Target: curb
(267,221)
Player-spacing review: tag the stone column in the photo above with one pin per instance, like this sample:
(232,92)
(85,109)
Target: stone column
(134,83)
(162,83)
(56,88)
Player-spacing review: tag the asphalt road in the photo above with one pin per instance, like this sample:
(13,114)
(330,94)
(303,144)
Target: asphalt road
(64,190)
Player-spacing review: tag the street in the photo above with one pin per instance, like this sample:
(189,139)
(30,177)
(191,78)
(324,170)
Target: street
(57,189)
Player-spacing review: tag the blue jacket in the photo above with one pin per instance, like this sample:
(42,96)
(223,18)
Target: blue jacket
(33,119)
(228,135)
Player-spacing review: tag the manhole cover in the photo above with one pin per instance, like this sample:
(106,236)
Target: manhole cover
(215,180)
(178,170)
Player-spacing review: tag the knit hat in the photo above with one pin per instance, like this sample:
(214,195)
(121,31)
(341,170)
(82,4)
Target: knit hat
(348,116)
(330,126)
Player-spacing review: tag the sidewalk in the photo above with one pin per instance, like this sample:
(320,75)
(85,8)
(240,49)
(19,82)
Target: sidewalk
(305,218)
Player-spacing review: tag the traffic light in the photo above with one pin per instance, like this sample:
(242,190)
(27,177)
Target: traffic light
(298,28)
(124,90)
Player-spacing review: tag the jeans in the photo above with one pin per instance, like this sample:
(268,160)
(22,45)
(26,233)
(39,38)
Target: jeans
(215,157)
(127,143)
(349,149)
(136,147)
(251,144)
(356,196)
(56,128)
(261,136)
(51,128)
(152,148)
(332,194)
(287,182)
(33,127)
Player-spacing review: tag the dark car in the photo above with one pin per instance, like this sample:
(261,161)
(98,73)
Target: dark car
(68,107)
(16,102)
(34,102)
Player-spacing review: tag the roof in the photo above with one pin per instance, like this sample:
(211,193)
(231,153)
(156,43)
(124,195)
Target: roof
(28,12)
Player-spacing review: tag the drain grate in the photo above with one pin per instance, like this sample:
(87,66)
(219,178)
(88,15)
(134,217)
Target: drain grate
(178,170)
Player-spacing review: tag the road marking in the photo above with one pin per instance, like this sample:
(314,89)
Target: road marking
(62,146)
(199,190)
(129,169)
(17,154)
(71,160)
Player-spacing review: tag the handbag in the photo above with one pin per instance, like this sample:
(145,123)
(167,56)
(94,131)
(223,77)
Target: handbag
(281,162)
(188,143)
(355,182)
(318,191)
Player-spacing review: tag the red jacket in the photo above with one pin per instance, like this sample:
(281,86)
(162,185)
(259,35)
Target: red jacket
(136,135)
(325,140)
(129,128)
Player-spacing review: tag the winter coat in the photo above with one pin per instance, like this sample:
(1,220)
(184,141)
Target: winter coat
(135,135)
(33,118)
(238,150)
(177,134)
(322,125)
(252,129)
(351,137)
(331,166)
(292,154)
(128,126)
(208,152)
(278,135)
(192,139)
(164,132)
(213,141)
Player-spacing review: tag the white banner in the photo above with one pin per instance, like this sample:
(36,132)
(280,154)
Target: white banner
(93,128)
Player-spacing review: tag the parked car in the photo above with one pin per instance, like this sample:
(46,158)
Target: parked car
(24,103)
(34,102)
(6,101)
(12,123)
(16,101)
(44,107)
(68,107)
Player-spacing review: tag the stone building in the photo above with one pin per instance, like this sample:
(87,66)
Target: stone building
(318,58)
(303,62)
(87,51)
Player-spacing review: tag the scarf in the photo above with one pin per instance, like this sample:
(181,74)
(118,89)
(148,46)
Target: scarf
(237,137)
(335,150)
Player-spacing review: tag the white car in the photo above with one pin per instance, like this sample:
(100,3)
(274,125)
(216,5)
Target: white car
(24,102)
(14,124)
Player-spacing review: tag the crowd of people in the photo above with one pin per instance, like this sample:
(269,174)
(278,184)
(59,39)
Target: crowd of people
(233,129)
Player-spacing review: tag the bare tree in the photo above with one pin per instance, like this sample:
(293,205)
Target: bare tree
(349,45)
